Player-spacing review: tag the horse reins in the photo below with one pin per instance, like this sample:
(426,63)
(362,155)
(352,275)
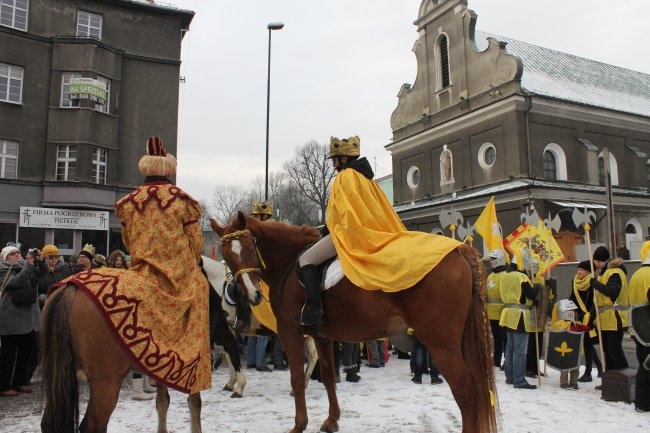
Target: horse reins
(236,235)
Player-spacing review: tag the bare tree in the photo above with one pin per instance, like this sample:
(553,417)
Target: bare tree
(312,174)
(204,222)
(227,200)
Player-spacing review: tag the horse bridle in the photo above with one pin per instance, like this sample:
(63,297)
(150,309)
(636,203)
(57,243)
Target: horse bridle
(236,235)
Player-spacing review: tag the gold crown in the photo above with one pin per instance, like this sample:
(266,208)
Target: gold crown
(345,147)
(263,208)
(89,248)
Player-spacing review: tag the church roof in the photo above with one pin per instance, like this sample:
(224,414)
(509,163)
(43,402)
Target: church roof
(571,78)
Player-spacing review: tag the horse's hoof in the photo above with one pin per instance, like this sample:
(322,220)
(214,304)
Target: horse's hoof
(329,429)
(228,388)
(236,395)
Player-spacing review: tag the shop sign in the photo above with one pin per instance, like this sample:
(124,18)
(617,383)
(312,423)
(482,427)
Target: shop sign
(52,218)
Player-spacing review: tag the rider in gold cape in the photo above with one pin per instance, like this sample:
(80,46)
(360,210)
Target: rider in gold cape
(375,249)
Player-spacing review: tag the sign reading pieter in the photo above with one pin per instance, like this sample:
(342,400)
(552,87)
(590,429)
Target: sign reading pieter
(88,88)
(52,218)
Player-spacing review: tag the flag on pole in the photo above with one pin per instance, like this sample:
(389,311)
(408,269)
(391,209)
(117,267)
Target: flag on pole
(489,228)
(537,239)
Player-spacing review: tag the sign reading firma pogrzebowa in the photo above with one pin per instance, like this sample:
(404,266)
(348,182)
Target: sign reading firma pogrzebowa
(52,218)
(87,88)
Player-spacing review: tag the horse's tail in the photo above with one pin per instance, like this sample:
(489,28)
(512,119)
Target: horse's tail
(58,372)
(476,347)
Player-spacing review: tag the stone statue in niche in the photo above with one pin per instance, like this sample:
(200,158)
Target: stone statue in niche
(446,166)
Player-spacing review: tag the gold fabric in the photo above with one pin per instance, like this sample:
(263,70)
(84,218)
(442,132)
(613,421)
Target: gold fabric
(639,286)
(608,316)
(159,308)
(494,302)
(375,249)
(510,295)
(263,312)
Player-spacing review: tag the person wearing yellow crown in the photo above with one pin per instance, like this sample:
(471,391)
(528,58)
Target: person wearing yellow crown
(640,295)
(365,232)
(262,210)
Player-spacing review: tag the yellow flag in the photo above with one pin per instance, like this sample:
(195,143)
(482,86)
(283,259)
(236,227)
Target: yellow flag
(488,227)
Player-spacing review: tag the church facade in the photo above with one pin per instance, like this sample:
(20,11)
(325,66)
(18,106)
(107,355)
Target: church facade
(490,116)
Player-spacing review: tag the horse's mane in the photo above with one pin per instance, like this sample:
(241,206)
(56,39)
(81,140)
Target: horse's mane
(278,233)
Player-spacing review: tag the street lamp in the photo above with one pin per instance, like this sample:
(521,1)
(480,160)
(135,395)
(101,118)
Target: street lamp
(270,26)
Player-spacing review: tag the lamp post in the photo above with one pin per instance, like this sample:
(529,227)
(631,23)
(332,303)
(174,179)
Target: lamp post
(270,27)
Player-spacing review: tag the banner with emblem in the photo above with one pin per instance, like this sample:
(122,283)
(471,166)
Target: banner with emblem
(539,241)
(563,349)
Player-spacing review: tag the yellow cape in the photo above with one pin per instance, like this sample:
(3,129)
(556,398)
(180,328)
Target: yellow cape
(375,249)
(263,311)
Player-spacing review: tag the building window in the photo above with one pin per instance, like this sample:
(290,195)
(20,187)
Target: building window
(443,51)
(8,159)
(13,13)
(550,167)
(11,83)
(554,162)
(66,162)
(89,25)
(613,169)
(413,177)
(487,155)
(65,89)
(100,158)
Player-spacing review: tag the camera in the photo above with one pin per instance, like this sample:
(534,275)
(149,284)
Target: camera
(33,252)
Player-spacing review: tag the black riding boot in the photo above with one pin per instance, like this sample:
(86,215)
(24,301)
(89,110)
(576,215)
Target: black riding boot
(312,312)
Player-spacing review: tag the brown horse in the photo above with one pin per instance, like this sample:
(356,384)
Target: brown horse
(74,336)
(446,309)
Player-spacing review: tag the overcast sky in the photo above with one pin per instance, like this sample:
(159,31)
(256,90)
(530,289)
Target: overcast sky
(336,68)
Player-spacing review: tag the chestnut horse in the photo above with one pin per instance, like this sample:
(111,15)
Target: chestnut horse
(446,309)
(74,336)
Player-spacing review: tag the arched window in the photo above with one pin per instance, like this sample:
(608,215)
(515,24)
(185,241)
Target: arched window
(550,167)
(443,56)
(613,170)
(554,162)
(487,155)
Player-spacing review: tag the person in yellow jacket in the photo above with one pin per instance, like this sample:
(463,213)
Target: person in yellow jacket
(367,235)
(517,294)
(640,295)
(612,302)
(497,261)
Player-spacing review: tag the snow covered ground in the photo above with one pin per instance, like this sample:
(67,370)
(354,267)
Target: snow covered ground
(385,400)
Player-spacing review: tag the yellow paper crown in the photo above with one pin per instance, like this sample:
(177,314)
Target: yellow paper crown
(345,147)
(89,248)
(263,208)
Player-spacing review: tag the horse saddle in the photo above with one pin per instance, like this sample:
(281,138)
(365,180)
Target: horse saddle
(332,272)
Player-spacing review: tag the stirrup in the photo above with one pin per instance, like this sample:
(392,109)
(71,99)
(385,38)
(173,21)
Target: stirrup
(317,319)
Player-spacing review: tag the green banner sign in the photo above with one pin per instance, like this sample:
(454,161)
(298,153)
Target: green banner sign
(89,89)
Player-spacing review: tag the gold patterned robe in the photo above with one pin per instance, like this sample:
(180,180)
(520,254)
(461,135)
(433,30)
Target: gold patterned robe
(158,309)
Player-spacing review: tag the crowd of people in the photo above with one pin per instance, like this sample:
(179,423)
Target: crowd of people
(598,305)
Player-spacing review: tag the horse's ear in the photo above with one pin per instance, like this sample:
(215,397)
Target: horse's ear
(241,217)
(216,227)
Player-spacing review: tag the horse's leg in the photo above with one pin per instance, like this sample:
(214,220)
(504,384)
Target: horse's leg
(293,341)
(237,381)
(162,406)
(326,356)
(194,403)
(105,364)
(312,357)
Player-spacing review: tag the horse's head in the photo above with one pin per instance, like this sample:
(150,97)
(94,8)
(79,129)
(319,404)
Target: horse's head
(242,256)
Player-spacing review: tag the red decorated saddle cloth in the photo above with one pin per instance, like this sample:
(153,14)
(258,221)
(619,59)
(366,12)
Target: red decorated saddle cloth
(166,336)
